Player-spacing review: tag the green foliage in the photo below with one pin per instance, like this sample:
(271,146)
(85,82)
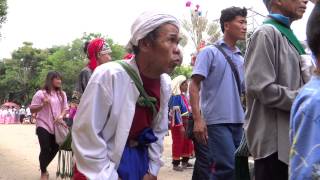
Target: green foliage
(182,70)
(3,12)
(23,74)
(118,51)
(20,74)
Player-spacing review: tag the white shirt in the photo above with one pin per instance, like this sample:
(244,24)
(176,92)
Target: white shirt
(103,121)
(28,112)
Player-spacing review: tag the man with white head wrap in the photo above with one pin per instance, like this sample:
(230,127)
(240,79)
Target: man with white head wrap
(121,122)
(146,23)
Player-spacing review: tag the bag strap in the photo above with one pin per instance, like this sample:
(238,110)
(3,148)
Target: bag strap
(144,99)
(54,121)
(51,111)
(233,67)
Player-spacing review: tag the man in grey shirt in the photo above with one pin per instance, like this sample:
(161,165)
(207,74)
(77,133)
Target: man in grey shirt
(273,77)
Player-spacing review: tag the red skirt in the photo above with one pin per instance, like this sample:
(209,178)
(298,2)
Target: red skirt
(77,175)
(181,145)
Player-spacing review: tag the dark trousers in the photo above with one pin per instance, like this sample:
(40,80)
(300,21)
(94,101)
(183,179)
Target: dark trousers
(223,141)
(201,170)
(270,168)
(48,148)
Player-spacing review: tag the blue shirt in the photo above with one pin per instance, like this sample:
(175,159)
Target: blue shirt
(219,96)
(183,109)
(305,133)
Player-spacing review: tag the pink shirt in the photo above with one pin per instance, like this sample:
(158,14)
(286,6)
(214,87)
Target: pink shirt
(44,116)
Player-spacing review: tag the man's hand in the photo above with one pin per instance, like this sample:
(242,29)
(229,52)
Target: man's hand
(200,131)
(149,176)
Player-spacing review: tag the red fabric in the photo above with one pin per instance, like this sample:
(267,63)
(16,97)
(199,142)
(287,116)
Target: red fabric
(128,56)
(181,145)
(143,115)
(77,175)
(185,100)
(93,48)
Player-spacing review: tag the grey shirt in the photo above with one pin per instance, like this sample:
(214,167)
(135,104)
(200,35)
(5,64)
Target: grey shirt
(81,84)
(272,78)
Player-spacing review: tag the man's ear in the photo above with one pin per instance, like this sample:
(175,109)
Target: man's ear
(144,45)
(276,2)
(226,26)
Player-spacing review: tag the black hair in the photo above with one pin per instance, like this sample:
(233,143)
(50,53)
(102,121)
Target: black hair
(313,30)
(48,86)
(151,37)
(85,48)
(230,14)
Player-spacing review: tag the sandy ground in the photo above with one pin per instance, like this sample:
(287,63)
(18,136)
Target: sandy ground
(19,150)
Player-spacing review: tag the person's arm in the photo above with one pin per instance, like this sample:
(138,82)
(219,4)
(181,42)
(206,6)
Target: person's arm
(260,74)
(200,128)
(200,72)
(88,144)
(39,101)
(65,107)
(160,129)
(155,149)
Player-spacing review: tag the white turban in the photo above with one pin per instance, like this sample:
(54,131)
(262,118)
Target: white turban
(176,83)
(146,23)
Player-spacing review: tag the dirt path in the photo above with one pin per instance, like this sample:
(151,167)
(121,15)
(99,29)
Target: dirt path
(19,150)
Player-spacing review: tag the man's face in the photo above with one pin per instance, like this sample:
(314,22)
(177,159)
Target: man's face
(293,9)
(164,51)
(103,57)
(237,28)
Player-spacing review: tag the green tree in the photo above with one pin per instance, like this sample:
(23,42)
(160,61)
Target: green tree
(20,76)
(23,74)
(3,12)
(68,61)
(182,70)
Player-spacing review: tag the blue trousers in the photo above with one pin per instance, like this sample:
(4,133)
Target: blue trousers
(223,141)
(201,169)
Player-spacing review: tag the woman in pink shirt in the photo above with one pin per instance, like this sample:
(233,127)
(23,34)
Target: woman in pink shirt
(50,104)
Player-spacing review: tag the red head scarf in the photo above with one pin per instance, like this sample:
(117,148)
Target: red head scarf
(94,47)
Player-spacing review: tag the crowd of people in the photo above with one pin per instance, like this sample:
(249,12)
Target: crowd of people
(14,115)
(122,110)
